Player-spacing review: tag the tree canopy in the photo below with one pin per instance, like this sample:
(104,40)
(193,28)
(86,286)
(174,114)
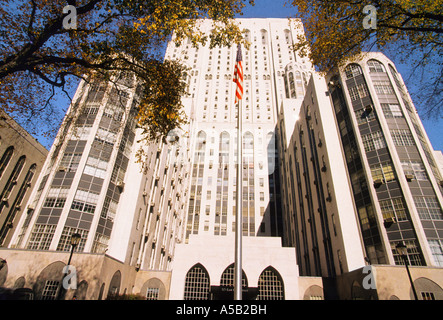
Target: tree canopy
(412,31)
(40,56)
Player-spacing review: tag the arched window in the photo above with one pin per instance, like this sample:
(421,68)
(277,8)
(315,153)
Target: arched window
(288,36)
(197,283)
(375,66)
(352,70)
(12,181)
(270,285)
(264,37)
(247,35)
(4,161)
(227,277)
(17,203)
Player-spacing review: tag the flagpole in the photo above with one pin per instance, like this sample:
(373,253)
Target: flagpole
(238,79)
(238,217)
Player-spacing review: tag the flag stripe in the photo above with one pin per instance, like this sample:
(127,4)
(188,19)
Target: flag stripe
(238,75)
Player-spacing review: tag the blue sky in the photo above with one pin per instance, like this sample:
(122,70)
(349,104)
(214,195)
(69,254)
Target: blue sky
(276,9)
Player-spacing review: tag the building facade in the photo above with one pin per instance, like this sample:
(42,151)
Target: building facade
(206,258)
(359,176)
(164,227)
(21,161)
(395,178)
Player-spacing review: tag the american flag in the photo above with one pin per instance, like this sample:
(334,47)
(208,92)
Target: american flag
(238,75)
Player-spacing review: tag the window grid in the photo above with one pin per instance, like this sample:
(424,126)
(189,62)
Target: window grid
(427,296)
(352,70)
(270,286)
(100,243)
(65,239)
(392,110)
(85,201)
(227,278)
(415,168)
(383,171)
(70,161)
(56,197)
(437,251)
(41,237)
(375,66)
(152,294)
(428,208)
(373,141)
(50,290)
(196,284)
(394,208)
(402,137)
(383,87)
(413,256)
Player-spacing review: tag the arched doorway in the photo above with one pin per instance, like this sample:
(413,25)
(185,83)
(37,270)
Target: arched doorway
(270,285)
(197,283)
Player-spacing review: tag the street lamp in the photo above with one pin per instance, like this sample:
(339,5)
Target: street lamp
(402,250)
(75,239)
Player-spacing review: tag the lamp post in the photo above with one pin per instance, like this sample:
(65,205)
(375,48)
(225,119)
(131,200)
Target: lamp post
(402,250)
(75,240)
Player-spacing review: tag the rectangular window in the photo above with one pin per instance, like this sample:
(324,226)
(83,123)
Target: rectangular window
(262,196)
(402,137)
(152,294)
(391,110)
(353,93)
(373,141)
(65,239)
(413,256)
(437,251)
(70,162)
(383,171)
(85,201)
(50,290)
(428,208)
(56,197)
(394,208)
(41,237)
(362,90)
(415,168)
(383,87)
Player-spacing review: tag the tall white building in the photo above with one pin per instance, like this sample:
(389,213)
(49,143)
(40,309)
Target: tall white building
(207,253)
(165,228)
